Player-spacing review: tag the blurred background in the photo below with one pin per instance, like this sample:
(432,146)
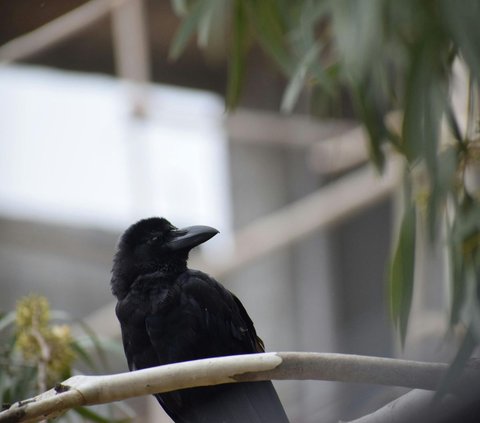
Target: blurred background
(98,128)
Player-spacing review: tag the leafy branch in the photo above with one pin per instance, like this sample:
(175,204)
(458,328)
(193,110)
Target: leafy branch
(384,56)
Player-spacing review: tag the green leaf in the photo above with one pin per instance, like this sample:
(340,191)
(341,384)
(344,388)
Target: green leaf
(402,273)
(471,311)
(311,13)
(456,367)
(304,38)
(369,103)
(425,104)
(83,355)
(426,97)
(106,345)
(189,25)
(91,339)
(4,382)
(238,53)
(297,82)
(266,19)
(179,7)
(443,184)
(89,414)
(7,320)
(359,30)
(23,384)
(461,19)
(464,249)
(457,276)
(453,125)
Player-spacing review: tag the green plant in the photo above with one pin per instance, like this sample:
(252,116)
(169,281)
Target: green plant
(387,55)
(38,350)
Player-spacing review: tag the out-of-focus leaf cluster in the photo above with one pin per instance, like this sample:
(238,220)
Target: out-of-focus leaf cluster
(387,55)
(38,341)
(38,350)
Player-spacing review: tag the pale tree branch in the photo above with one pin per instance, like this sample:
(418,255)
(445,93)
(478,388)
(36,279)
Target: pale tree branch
(90,390)
(419,405)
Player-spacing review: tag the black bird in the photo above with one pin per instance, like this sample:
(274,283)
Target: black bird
(169,313)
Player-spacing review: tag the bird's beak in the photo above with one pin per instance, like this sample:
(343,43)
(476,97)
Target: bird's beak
(190,237)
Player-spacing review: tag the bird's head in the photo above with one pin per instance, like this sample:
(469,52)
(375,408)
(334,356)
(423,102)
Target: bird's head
(154,244)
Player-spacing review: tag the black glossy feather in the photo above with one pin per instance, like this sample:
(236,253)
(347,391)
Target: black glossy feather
(169,313)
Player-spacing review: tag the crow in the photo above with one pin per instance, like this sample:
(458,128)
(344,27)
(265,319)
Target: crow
(169,313)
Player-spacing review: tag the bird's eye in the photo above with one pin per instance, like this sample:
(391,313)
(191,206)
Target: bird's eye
(153,239)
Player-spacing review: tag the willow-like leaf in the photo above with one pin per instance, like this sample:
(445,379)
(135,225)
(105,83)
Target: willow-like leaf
(179,7)
(419,133)
(91,341)
(458,364)
(372,112)
(297,82)
(457,267)
(96,342)
(84,356)
(90,415)
(265,18)
(464,247)
(305,38)
(425,104)
(453,125)
(3,386)
(7,320)
(402,273)
(311,12)
(359,33)
(238,53)
(189,25)
(23,385)
(106,345)
(461,19)
(443,184)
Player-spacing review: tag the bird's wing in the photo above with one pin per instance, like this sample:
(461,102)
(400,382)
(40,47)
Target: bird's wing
(139,350)
(257,341)
(199,319)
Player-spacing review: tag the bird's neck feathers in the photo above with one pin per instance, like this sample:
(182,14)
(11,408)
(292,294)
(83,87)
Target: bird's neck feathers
(173,266)
(125,273)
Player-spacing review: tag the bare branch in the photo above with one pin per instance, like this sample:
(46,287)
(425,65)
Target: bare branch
(416,406)
(89,390)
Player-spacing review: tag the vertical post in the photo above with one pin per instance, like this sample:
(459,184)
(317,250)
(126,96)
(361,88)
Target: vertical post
(131,50)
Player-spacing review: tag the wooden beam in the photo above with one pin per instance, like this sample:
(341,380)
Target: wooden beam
(333,145)
(57,30)
(130,41)
(248,126)
(325,207)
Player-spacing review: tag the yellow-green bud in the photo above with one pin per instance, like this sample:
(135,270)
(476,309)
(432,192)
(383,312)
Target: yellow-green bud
(32,310)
